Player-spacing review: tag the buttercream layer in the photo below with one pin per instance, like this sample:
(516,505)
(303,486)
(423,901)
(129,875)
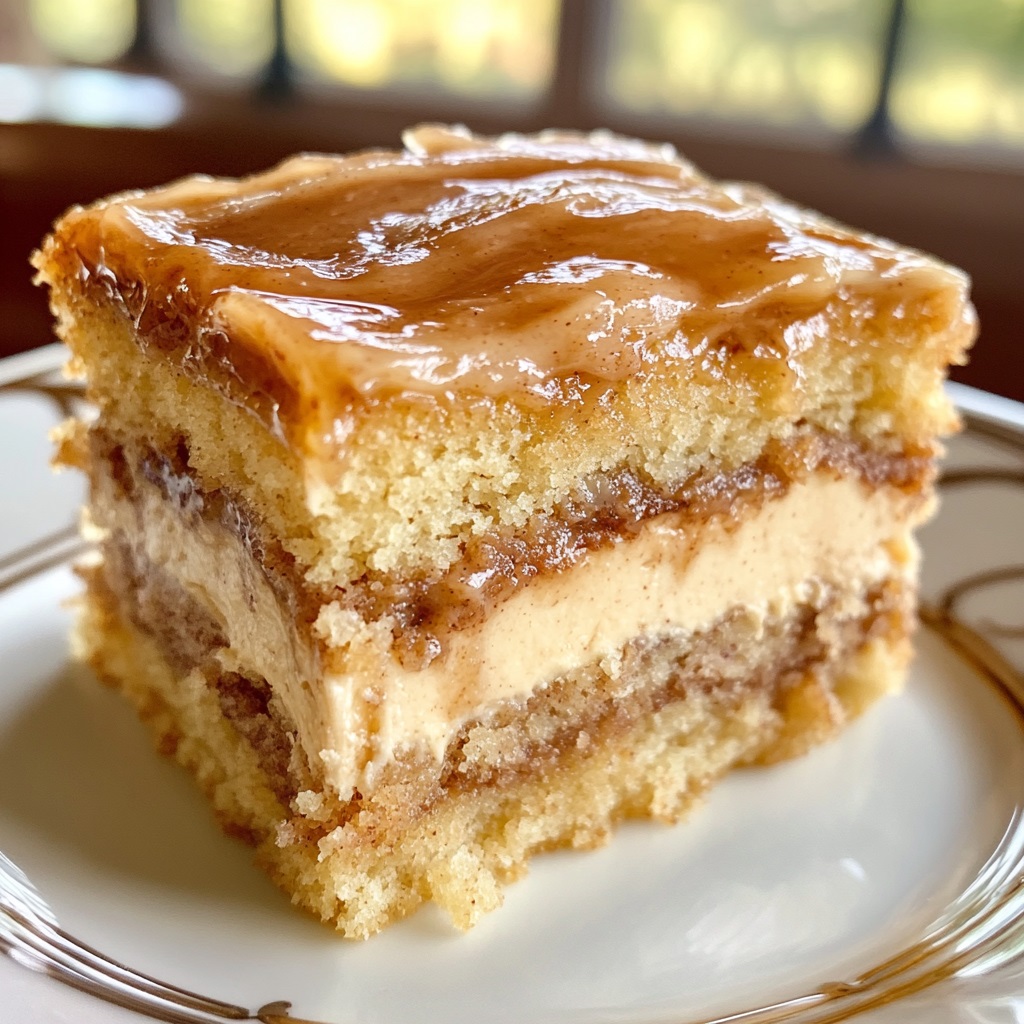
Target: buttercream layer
(667,581)
(355,707)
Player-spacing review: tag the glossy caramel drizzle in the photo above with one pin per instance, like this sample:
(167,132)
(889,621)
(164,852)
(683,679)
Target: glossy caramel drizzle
(536,267)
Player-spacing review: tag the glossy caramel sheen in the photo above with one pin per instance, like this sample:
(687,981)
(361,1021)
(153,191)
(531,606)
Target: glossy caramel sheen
(533,267)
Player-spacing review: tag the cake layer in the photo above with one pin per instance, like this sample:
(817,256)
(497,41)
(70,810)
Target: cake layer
(667,716)
(339,679)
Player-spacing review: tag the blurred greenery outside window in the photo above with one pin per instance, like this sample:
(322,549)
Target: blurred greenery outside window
(807,63)
(790,66)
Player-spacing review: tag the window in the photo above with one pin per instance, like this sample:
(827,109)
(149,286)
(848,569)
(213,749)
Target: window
(931,72)
(961,79)
(808,65)
(477,48)
(93,32)
(231,39)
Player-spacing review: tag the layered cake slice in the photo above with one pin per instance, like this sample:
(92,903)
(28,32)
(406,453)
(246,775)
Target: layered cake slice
(455,503)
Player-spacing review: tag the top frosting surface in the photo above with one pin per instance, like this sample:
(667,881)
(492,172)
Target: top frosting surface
(470,265)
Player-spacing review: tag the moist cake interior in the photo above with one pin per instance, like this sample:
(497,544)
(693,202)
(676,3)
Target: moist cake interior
(454,503)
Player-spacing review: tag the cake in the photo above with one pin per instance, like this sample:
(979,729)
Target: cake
(455,503)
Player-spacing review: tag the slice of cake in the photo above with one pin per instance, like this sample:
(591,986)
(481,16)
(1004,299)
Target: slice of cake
(455,503)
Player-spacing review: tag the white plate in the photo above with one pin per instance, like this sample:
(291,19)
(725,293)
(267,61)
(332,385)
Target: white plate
(789,879)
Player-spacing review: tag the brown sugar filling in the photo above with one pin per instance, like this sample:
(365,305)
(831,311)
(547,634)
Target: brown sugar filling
(727,662)
(604,510)
(188,638)
(730,660)
(613,507)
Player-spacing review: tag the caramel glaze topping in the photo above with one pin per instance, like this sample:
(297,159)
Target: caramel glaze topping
(539,268)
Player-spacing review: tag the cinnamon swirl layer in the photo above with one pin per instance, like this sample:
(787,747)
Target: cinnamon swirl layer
(606,509)
(347,670)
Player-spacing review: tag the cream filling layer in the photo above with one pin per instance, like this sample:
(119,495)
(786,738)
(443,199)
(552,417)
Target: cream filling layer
(824,535)
(355,707)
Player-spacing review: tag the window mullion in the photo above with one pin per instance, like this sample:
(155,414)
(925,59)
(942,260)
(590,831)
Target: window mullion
(278,79)
(576,58)
(143,51)
(876,137)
